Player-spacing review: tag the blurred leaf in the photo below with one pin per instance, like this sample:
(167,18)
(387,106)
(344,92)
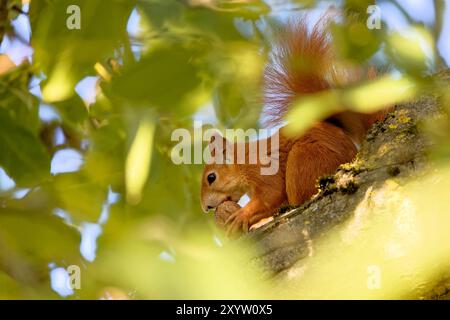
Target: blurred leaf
(9,289)
(245,8)
(355,41)
(217,25)
(65,55)
(79,195)
(174,264)
(105,160)
(22,155)
(61,240)
(24,257)
(159,13)
(366,97)
(412,50)
(72,110)
(229,100)
(380,93)
(150,82)
(138,163)
(310,109)
(237,98)
(169,185)
(357,9)
(16,100)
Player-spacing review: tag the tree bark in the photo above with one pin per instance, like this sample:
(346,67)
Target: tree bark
(395,148)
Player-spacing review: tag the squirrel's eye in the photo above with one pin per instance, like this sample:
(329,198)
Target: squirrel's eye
(211,178)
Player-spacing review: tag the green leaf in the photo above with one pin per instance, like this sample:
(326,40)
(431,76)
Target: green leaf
(79,195)
(355,41)
(228,102)
(22,155)
(17,100)
(44,238)
(67,55)
(72,110)
(160,13)
(170,77)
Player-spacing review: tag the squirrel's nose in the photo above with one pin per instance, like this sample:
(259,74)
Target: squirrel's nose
(207,208)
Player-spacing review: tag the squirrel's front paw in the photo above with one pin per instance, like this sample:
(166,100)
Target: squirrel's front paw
(238,222)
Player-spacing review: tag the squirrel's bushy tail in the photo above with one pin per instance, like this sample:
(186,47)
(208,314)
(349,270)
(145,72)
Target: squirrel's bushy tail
(299,66)
(303,62)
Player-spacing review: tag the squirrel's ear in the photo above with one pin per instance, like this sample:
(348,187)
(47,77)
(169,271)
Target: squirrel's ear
(217,144)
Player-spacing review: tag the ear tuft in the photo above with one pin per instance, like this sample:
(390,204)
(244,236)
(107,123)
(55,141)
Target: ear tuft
(217,145)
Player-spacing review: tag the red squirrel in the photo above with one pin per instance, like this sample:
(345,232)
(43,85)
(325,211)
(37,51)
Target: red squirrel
(302,63)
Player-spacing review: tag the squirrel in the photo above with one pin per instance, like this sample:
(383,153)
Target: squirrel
(302,63)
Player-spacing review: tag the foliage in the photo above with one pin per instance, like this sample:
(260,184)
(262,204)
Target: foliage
(189,57)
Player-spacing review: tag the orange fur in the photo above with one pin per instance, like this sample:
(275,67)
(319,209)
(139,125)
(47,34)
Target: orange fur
(302,63)
(318,152)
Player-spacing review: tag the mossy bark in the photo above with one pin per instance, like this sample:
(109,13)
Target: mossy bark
(395,148)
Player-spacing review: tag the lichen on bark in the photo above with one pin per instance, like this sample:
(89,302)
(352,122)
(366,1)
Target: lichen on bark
(394,154)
